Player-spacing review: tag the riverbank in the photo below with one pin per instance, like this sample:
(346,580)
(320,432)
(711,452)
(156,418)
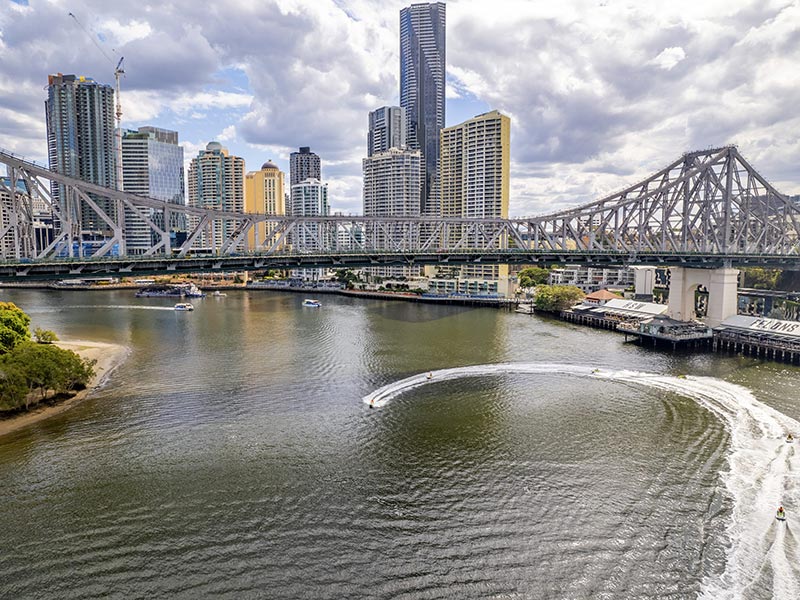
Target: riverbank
(108,357)
(506,303)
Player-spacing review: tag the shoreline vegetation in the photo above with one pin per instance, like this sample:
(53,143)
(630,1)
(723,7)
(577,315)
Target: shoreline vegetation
(40,378)
(107,356)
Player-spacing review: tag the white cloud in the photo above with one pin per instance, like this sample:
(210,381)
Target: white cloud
(600,94)
(119,34)
(669,57)
(228,134)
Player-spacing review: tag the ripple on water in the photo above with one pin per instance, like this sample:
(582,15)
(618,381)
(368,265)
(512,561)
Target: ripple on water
(230,457)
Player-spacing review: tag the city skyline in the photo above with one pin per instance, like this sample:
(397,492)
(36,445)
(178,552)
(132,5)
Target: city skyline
(600,94)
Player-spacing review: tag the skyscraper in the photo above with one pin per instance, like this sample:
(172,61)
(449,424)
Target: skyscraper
(216,181)
(80,141)
(392,188)
(309,198)
(475,174)
(475,167)
(152,166)
(387,129)
(392,183)
(303,165)
(422,85)
(264,194)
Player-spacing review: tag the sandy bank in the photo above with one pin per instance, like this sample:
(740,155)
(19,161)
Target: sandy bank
(108,357)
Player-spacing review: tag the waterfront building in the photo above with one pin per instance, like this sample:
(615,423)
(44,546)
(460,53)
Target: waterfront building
(309,198)
(446,286)
(387,129)
(474,172)
(422,87)
(80,142)
(303,165)
(392,183)
(592,279)
(264,193)
(152,166)
(392,188)
(216,181)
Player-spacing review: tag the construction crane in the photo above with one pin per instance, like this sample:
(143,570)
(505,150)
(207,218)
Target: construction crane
(118,71)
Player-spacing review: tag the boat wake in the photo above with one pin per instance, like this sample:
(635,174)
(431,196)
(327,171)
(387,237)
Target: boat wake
(763,470)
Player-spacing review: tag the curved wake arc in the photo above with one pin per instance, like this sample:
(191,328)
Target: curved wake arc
(763,469)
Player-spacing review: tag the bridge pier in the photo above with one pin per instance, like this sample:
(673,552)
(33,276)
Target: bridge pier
(722,286)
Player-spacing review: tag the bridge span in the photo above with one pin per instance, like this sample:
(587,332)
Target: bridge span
(66,268)
(708,209)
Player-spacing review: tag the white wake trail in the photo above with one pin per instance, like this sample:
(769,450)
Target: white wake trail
(763,470)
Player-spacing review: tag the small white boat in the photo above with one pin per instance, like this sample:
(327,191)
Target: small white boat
(312,303)
(184,306)
(218,294)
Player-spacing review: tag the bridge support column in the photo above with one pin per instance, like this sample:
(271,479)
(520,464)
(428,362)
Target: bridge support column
(721,284)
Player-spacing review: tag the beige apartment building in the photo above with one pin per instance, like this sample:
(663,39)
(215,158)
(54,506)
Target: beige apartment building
(474,178)
(216,182)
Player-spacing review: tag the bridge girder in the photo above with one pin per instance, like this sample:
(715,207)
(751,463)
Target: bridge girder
(710,203)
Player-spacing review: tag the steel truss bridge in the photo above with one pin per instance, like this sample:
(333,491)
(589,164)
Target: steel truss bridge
(707,209)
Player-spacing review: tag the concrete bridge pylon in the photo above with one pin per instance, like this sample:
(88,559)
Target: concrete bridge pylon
(721,284)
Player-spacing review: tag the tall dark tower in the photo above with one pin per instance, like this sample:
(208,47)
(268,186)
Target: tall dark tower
(303,165)
(422,83)
(80,139)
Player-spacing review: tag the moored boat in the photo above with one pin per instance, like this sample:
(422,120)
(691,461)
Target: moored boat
(176,290)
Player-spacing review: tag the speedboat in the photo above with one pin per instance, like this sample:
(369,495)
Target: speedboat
(218,294)
(312,303)
(184,306)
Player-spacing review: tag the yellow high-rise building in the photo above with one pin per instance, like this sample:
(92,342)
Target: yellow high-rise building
(474,168)
(264,193)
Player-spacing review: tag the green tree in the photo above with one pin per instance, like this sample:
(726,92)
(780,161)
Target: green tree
(13,326)
(555,298)
(346,277)
(760,278)
(44,336)
(38,366)
(13,389)
(47,367)
(533,276)
(75,372)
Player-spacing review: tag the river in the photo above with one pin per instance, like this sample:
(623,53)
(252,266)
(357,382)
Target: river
(234,455)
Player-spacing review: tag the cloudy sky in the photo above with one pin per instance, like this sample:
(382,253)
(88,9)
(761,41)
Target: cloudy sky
(600,92)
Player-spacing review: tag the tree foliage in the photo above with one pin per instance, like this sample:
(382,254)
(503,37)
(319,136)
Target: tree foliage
(13,326)
(44,336)
(346,277)
(13,387)
(533,276)
(556,298)
(760,278)
(29,371)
